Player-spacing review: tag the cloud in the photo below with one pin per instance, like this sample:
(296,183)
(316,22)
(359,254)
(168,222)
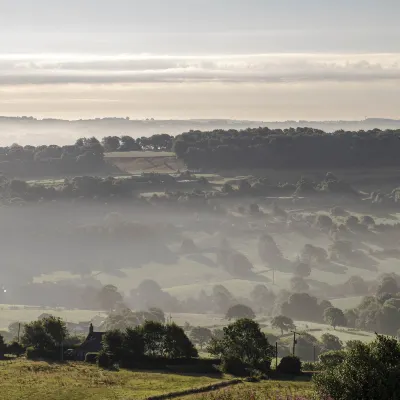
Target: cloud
(257,68)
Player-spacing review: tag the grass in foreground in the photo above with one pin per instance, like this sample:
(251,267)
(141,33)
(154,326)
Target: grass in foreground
(25,380)
(266,390)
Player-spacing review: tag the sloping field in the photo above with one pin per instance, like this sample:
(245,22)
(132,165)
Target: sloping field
(25,380)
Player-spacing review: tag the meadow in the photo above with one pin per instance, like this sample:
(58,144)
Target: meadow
(23,380)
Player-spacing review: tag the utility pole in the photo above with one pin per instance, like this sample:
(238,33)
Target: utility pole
(19,329)
(276,355)
(273,276)
(294,342)
(314,352)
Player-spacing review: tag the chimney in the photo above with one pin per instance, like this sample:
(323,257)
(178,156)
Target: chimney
(91,330)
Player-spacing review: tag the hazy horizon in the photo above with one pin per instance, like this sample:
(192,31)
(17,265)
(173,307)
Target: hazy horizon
(259,60)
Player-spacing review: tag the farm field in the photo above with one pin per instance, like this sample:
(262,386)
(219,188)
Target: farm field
(265,390)
(139,154)
(27,380)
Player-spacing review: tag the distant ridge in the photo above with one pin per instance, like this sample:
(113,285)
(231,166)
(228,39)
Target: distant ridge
(30,130)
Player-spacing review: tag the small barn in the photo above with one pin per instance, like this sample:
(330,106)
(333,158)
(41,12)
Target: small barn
(92,344)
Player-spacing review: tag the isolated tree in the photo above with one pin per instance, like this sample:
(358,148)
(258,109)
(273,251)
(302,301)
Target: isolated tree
(302,269)
(262,297)
(335,317)
(268,249)
(109,297)
(240,311)
(299,285)
(303,307)
(201,335)
(388,285)
(239,264)
(357,285)
(244,341)
(283,323)
(331,342)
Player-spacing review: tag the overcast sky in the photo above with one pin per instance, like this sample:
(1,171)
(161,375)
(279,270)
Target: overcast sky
(244,59)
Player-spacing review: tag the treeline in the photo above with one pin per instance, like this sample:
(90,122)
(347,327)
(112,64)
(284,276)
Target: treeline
(85,156)
(288,148)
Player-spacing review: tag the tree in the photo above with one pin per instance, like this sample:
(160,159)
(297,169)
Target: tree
(177,344)
(368,371)
(243,340)
(110,143)
(153,334)
(331,359)
(262,298)
(113,342)
(36,336)
(3,346)
(133,344)
(299,285)
(388,285)
(201,335)
(303,307)
(109,297)
(335,317)
(56,328)
(290,365)
(302,270)
(240,311)
(283,323)
(331,342)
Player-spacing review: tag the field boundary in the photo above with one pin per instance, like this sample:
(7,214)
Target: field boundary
(203,389)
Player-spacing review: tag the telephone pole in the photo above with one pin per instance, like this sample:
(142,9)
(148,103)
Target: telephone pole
(294,343)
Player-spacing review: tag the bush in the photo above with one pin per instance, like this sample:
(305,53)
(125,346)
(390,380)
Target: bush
(290,365)
(91,358)
(103,359)
(310,366)
(234,366)
(15,349)
(332,359)
(36,354)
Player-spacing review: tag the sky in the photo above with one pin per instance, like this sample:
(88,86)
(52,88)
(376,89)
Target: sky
(254,59)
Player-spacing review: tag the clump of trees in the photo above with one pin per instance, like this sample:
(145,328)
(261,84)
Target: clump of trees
(366,371)
(151,339)
(289,148)
(243,348)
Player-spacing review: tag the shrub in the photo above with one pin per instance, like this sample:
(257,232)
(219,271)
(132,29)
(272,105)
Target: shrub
(332,359)
(234,366)
(103,359)
(91,358)
(34,354)
(15,348)
(290,365)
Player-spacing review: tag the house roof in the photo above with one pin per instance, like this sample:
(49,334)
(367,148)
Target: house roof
(93,343)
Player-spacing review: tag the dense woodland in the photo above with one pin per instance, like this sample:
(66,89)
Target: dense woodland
(289,148)
(218,149)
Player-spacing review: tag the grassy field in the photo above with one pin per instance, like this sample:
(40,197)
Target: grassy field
(23,380)
(266,390)
(139,154)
